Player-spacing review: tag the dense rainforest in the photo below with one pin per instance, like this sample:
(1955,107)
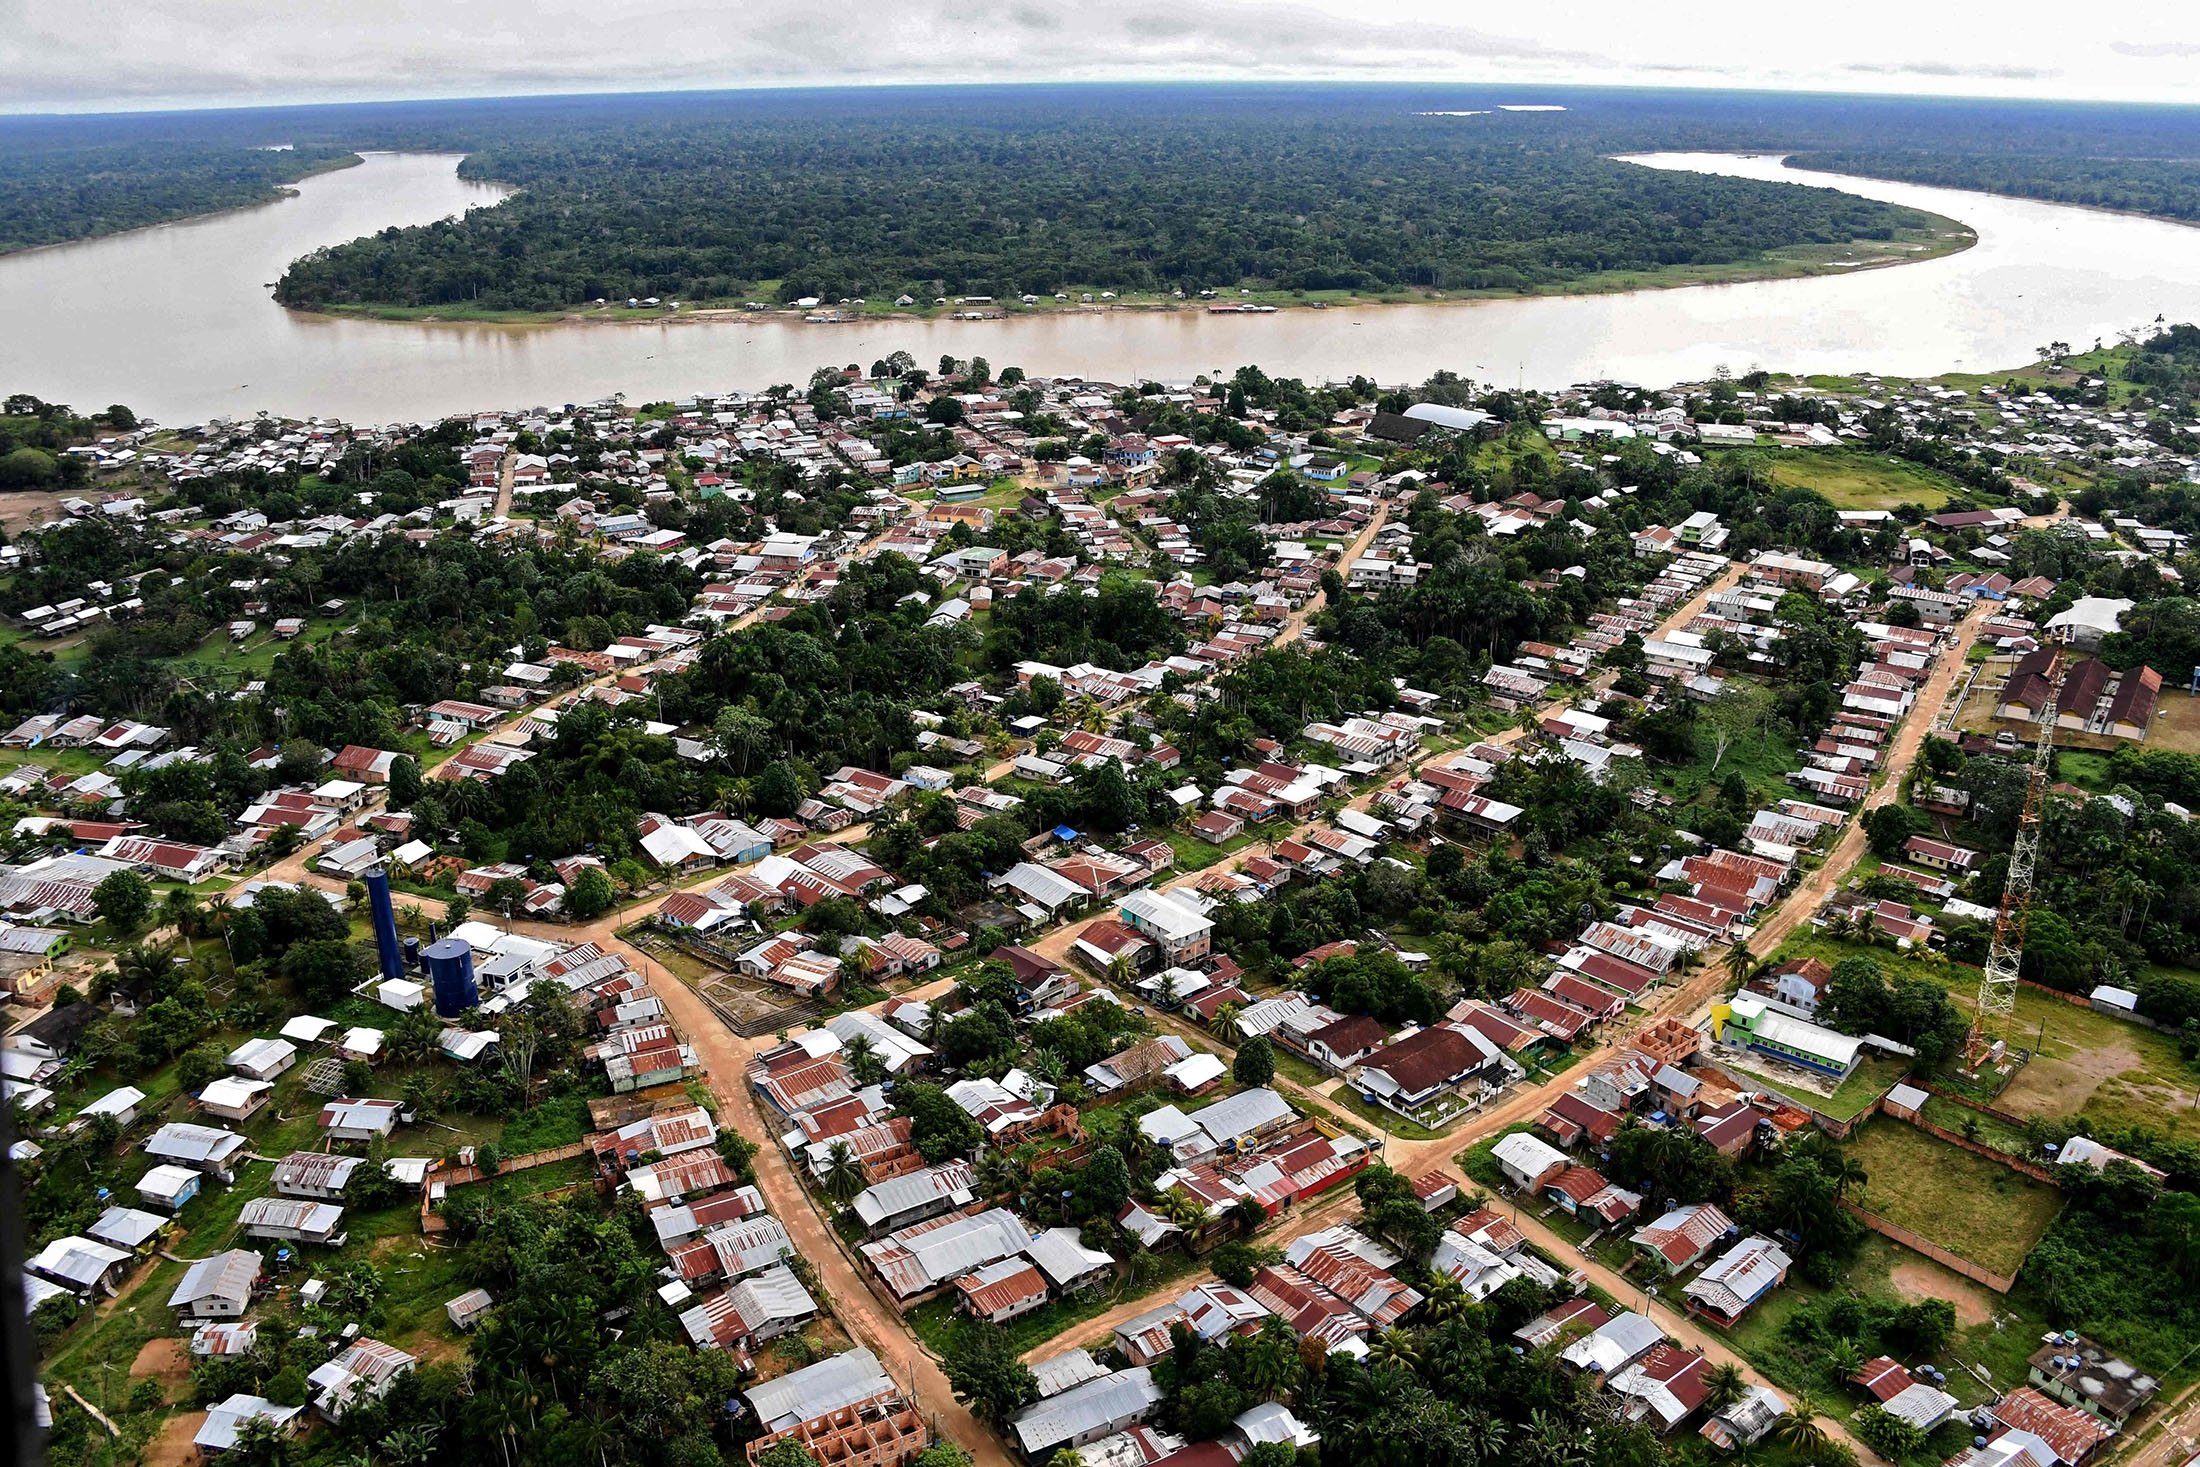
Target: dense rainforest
(1042,192)
(52,190)
(1002,190)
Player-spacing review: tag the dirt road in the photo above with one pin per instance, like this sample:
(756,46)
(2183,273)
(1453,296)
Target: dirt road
(1849,847)
(867,1320)
(1294,626)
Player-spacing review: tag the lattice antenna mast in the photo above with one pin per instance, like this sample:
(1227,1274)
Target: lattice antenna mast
(1997,989)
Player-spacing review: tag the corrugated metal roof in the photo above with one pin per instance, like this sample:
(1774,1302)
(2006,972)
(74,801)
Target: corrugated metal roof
(1111,1401)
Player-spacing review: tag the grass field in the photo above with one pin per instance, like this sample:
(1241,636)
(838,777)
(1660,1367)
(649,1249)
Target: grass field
(1854,479)
(1969,1205)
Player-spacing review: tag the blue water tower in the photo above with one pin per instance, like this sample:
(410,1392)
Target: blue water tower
(386,949)
(451,971)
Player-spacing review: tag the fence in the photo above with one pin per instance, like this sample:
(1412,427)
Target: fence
(1982,1107)
(1999,1283)
(2033,1170)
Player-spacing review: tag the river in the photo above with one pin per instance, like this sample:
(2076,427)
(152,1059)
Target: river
(177,320)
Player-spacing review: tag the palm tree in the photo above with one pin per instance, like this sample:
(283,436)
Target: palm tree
(1004,1174)
(843,1179)
(1486,1435)
(1739,962)
(1122,972)
(1181,1207)
(1723,1385)
(1066,1457)
(1397,1346)
(180,909)
(1845,1359)
(1445,1299)
(1047,1064)
(863,1061)
(1799,1430)
(1551,1442)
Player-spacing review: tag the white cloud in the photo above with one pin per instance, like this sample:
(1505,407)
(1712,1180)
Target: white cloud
(88,54)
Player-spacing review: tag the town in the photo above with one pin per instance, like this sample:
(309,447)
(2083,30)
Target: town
(951,916)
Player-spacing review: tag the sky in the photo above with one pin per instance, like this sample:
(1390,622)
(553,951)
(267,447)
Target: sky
(107,55)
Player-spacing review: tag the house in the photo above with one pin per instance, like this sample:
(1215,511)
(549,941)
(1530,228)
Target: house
(85,1266)
(1068,1265)
(1746,1421)
(1662,1388)
(169,1187)
(293,1220)
(234,1099)
(1940,855)
(917,1261)
(468,1308)
(204,1148)
(1433,1075)
(365,1370)
(1745,1273)
(120,1103)
(359,1120)
(1001,1290)
(1311,1310)
(220,1287)
(1581,1189)
(1527,1162)
(752,1312)
(315,1173)
(1613,1345)
(262,1059)
(226,1422)
(2078,1372)
(1569,1321)
(1086,1412)
(899,1201)
(130,1228)
(1749,1021)
(1177,928)
(1684,1237)
(2070,1434)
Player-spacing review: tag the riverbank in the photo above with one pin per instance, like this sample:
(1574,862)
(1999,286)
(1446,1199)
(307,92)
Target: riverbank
(1940,237)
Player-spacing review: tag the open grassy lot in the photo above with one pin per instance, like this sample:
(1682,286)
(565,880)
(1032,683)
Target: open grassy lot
(1762,756)
(1973,1207)
(1855,479)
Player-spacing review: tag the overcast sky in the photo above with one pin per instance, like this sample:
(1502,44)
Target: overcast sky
(91,55)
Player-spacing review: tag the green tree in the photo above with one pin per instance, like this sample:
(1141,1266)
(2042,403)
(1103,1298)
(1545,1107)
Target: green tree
(590,895)
(324,971)
(786,1452)
(124,900)
(404,781)
(986,1375)
(1255,1063)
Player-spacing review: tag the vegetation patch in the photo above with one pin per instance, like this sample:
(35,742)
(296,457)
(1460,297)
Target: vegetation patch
(1973,1207)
